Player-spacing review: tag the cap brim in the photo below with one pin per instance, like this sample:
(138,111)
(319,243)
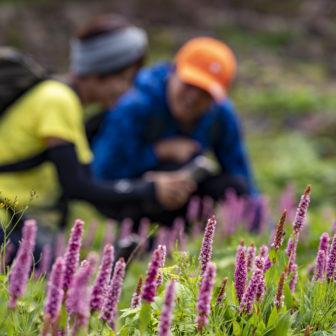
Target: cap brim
(199,78)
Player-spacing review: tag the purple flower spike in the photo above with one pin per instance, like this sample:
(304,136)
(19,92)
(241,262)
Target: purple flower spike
(251,291)
(126,228)
(301,211)
(250,255)
(206,250)
(293,281)
(193,211)
(204,296)
(241,247)
(166,315)
(268,264)
(143,233)
(55,291)
(103,278)
(136,297)
(291,253)
(46,259)
(149,289)
(331,263)
(263,251)
(324,242)
(109,310)
(79,294)
(240,276)
(90,235)
(207,207)
(260,264)
(163,252)
(60,245)
(71,258)
(20,270)
(109,233)
(9,249)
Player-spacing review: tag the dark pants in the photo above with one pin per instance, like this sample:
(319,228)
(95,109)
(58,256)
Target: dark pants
(214,186)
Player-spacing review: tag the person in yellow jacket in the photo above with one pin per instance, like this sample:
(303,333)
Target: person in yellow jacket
(43,142)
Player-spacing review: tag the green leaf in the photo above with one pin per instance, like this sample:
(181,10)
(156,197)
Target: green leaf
(236,328)
(288,296)
(145,316)
(63,318)
(273,255)
(272,317)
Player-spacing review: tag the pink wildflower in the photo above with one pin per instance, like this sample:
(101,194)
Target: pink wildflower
(193,210)
(55,291)
(206,250)
(204,296)
(103,278)
(90,234)
(301,211)
(20,270)
(324,242)
(126,228)
(46,259)
(331,263)
(268,264)
(260,264)
(149,289)
(250,255)
(60,244)
(166,315)
(240,276)
(79,294)
(293,281)
(207,207)
(163,252)
(263,251)
(143,233)
(251,291)
(71,258)
(109,310)
(291,253)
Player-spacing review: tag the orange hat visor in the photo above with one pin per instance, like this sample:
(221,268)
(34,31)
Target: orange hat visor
(208,64)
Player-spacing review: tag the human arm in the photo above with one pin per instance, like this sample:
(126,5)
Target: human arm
(170,190)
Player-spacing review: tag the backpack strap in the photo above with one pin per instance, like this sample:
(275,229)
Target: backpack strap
(25,164)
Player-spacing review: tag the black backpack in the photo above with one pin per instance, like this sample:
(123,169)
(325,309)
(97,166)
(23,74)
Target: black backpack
(18,74)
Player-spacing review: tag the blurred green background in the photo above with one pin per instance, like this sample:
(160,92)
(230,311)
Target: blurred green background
(285,86)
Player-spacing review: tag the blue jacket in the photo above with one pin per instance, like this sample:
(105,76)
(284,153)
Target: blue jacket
(124,145)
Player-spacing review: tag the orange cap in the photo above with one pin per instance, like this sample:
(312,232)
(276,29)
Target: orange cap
(208,64)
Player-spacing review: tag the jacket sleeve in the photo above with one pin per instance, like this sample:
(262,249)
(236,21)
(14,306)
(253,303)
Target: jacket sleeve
(230,148)
(118,148)
(77,182)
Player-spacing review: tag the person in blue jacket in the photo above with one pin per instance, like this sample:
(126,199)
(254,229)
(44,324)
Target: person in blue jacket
(174,113)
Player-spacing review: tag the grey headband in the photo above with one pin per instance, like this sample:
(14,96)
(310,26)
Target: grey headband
(108,52)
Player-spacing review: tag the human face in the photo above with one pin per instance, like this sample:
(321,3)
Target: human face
(187,102)
(107,90)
